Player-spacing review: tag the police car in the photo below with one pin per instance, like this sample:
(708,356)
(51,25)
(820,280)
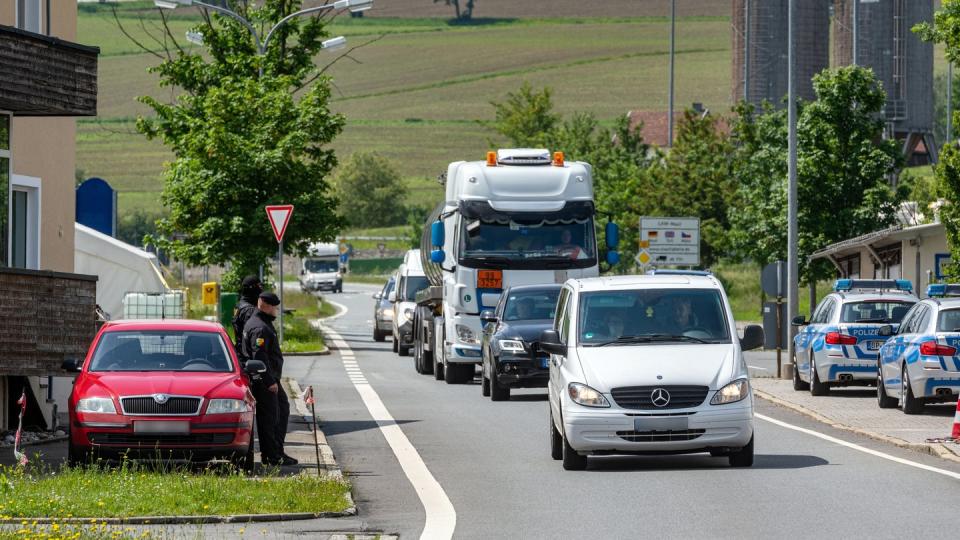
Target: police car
(840,344)
(920,363)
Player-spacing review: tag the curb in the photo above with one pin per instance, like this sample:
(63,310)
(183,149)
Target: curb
(322,352)
(933,449)
(180,520)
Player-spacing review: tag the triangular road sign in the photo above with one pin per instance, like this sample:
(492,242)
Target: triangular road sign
(279,215)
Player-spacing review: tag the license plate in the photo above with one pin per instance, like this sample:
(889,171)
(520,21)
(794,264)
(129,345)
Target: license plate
(489,279)
(661,423)
(170,427)
(874,345)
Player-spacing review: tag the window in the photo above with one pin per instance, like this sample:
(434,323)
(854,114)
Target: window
(5,170)
(24,222)
(949,321)
(161,350)
(531,305)
(29,15)
(882,311)
(412,285)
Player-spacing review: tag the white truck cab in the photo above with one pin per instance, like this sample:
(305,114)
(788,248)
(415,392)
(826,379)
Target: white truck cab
(522,217)
(320,269)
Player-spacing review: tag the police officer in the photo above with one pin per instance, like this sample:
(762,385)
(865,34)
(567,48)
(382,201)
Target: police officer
(273,409)
(250,291)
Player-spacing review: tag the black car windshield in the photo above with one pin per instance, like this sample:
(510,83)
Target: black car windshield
(530,305)
(414,284)
(319,266)
(874,311)
(653,315)
(161,350)
(567,242)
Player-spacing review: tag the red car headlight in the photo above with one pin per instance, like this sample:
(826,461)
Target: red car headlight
(96,405)
(225,406)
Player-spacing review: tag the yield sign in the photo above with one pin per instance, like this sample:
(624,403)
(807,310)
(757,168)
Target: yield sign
(279,215)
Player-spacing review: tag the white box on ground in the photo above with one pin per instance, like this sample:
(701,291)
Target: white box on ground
(672,240)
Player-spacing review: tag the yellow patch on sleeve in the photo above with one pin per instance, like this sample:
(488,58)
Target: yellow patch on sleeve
(259,342)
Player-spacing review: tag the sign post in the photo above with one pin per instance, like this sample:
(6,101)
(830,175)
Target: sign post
(279,216)
(672,241)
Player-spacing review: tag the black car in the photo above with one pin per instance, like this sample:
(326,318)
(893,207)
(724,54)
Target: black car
(511,356)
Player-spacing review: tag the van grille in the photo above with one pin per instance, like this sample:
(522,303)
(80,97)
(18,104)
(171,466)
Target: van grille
(147,406)
(639,397)
(661,436)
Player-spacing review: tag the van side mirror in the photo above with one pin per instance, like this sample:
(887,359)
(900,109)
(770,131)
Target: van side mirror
(71,365)
(799,320)
(886,330)
(437,256)
(613,258)
(752,337)
(488,317)
(612,232)
(252,367)
(392,296)
(550,343)
(436,234)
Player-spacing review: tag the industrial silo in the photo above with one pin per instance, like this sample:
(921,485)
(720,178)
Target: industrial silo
(763,61)
(900,60)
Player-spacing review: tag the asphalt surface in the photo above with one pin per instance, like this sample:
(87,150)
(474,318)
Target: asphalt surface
(493,462)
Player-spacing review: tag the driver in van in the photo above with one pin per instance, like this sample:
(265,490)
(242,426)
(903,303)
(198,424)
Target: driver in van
(568,248)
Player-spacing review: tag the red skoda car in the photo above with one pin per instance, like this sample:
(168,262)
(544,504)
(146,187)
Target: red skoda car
(171,389)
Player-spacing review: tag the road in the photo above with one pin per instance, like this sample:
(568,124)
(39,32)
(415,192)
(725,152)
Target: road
(492,462)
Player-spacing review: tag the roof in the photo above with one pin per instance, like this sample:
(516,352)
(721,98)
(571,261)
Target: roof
(645,282)
(895,233)
(654,128)
(162,324)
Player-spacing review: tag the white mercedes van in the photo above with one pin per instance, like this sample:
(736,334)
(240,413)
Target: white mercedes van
(648,365)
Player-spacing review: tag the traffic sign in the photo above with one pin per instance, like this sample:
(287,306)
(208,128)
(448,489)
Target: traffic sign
(671,240)
(279,215)
(643,258)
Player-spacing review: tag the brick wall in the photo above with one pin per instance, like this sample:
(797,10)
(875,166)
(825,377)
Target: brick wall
(47,317)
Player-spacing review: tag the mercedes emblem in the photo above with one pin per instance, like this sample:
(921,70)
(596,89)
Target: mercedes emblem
(660,397)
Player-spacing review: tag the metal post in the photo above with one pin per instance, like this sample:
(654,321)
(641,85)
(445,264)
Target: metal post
(746,51)
(792,266)
(949,102)
(280,315)
(673,29)
(856,32)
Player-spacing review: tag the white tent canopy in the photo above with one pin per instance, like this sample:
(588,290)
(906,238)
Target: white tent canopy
(121,268)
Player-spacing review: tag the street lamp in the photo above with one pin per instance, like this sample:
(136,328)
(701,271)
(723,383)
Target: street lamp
(330,44)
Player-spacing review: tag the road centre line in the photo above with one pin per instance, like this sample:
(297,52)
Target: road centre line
(441,517)
(859,448)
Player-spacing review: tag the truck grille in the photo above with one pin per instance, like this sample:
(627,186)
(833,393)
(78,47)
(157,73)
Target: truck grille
(661,436)
(147,406)
(640,397)
(152,440)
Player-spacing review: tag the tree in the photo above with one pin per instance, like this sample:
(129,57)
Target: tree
(843,169)
(695,180)
(464,14)
(242,141)
(372,190)
(526,117)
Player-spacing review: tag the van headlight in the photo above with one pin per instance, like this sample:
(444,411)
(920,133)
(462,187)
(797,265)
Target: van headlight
(582,394)
(96,405)
(465,334)
(731,393)
(223,406)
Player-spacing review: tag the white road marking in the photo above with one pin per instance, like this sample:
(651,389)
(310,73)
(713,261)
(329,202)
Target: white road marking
(859,448)
(758,367)
(441,517)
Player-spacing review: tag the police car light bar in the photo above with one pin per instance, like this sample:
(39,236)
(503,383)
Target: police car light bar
(943,289)
(845,285)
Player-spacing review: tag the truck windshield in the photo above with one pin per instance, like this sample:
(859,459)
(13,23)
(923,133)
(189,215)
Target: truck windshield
(320,266)
(653,316)
(545,244)
(413,285)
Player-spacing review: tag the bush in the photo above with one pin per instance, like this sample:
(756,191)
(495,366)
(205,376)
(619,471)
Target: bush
(371,191)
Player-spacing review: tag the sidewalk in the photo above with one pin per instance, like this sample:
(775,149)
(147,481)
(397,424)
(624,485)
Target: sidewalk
(855,409)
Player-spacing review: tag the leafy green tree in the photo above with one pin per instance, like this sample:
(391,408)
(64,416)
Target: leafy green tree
(371,191)
(135,225)
(462,14)
(843,169)
(242,141)
(526,117)
(695,180)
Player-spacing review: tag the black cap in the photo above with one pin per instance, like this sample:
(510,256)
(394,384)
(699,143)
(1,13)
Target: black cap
(251,281)
(270,298)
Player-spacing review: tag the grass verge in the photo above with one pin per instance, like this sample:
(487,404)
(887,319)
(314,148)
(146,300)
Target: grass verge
(136,490)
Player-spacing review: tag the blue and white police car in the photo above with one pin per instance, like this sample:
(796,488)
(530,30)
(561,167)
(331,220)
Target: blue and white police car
(920,363)
(840,343)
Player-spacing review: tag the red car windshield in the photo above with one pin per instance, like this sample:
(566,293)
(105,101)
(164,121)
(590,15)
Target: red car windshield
(161,350)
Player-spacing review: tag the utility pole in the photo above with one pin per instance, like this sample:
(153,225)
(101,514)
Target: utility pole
(856,32)
(792,275)
(746,51)
(673,30)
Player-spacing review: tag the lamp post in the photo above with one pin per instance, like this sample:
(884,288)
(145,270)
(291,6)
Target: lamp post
(330,44)
(793,307)
(673,29)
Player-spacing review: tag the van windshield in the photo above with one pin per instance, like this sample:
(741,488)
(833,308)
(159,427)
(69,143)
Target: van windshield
(320,266)
(653,315)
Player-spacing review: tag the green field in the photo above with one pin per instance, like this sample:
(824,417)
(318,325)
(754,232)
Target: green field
(419,93)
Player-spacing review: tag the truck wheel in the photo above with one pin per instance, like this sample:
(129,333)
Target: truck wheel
(426,361)
(908,402)
(437,370)
(417,353)
(403,350)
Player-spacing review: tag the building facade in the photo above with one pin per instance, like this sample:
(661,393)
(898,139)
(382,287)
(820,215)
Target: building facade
(46,80)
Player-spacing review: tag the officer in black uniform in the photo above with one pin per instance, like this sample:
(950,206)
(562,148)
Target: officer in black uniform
(250,291)
(273,409)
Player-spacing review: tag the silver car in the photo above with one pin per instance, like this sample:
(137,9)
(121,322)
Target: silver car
(648,364)
(383,311)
